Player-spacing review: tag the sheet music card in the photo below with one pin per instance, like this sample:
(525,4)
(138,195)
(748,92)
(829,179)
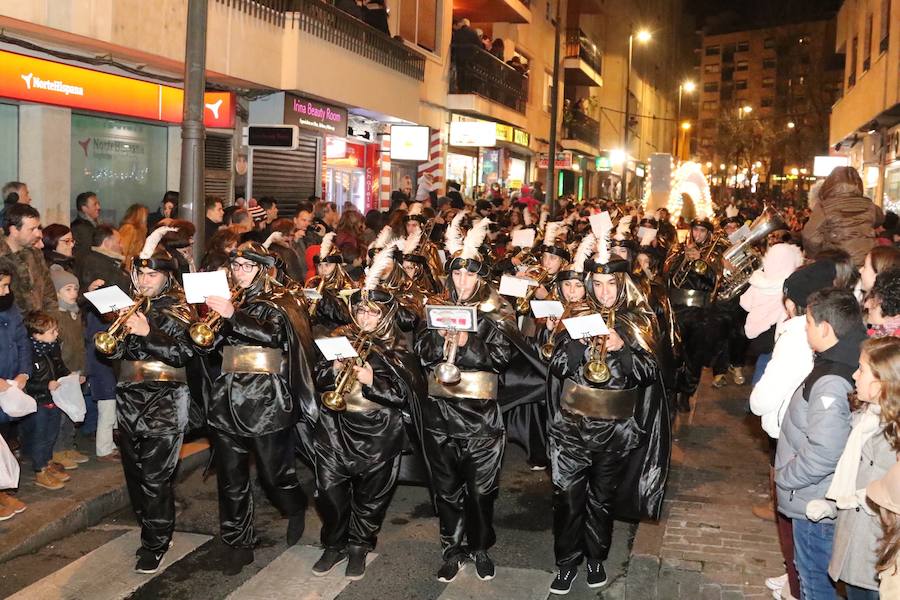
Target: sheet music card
(586,326)
(515,286)
(109,299)
(200,286)
(546,308)
(336,348)
(523,238)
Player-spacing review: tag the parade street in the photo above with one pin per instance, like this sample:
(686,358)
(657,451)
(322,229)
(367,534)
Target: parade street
(720,470)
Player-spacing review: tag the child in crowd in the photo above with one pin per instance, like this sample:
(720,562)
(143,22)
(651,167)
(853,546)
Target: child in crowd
(40,429)
(882,304)
(867,456)
(71,341)
(814,433)
(15,365)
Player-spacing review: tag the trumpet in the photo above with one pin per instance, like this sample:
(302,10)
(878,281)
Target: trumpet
(699,266)
(536,273)
(203,333)
(596,370)
(315,302)
(447,372)
(107,341)
(336,399)
(547,349)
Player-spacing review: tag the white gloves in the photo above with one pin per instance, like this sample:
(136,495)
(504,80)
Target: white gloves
(816,510)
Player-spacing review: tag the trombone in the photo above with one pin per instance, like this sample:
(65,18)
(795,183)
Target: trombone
(595,369)
(315,302)
(336,399)
(203,333)
(699,266)
(107,341)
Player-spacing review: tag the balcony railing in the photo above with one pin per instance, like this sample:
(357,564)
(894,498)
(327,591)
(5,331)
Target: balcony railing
(579,126)
(578,45)
(333,25)
(479,72)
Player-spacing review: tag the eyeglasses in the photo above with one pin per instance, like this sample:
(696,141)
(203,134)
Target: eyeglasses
(245,267)
(65,241)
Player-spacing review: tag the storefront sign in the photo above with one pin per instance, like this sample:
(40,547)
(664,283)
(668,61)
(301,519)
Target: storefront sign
(639,170)
(410,142)
(563,161)
(46,82)
(824,165)
(603,164)
(314,115)
(482,134)
(512,135)
(335,147)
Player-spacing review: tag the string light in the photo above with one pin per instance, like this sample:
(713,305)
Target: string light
(689,179)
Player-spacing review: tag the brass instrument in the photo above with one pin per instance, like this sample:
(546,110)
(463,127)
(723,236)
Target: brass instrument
(547,349)
(535,273)
(315,302)
(203,333)
(107,341)
(699,266)
(744,258)
(447,372)
(336,399)
(595,369)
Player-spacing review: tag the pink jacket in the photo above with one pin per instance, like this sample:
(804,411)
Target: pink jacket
(763,299)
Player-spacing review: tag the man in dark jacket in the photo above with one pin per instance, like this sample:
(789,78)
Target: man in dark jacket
(215,214)
(101,265)
(15,360)
(32,287)
(88,206)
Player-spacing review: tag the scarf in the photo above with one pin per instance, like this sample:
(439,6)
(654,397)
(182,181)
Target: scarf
(843,486)
(70,308)
(43,348)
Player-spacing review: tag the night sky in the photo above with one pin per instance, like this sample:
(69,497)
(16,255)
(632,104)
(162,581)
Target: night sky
(749,13)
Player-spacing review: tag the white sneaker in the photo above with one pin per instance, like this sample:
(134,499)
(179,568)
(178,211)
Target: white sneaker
(785,593)
(776,583)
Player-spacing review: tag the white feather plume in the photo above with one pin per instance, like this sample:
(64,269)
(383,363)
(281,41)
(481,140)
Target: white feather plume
(474,239)
(624,226)
(415,209)
(412,242)
(585,249)
(542,222)
(603,254)
(453,239)
(275,237)
(381,264)
(552,232)
(731,211)
(327,244)
(153,239)
(527,218)
(384,237)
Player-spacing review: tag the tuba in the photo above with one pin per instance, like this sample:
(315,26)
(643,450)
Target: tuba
(203,333)
(107,341)
(744,258)
(336,399)
(595,369)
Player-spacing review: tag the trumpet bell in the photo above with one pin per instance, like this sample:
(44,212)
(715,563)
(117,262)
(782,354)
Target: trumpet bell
(105,342)
(447,373)
(596,371)
(701,267)
(202,334)
(547,351)
(334,401)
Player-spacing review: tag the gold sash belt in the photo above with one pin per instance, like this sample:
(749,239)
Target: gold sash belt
(356,402)
(251,359)
(136,371)
(596,403)
(480,385)
(687,297)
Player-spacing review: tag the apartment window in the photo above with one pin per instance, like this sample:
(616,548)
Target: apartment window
(769,43)
(714,68)
(712,50)
(548,90)
(769,63)
(867,50)
(768,82)
(766,102)
(854,57)
(706,142)
(743,47)
(885,25)
(740,84)
(708,124)
(710,105)
(711,86)
(741,65)
(418,22)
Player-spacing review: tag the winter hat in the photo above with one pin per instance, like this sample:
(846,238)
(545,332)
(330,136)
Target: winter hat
(61,278)
(781,260)
(258,213)
(802,283)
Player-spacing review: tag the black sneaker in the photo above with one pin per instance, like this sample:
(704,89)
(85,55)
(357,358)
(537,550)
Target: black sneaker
(328,561)
(356,563)
(450,569)
(596,574)
(148,562)
(296,525)
(236,559)
(484,565)
(562,584)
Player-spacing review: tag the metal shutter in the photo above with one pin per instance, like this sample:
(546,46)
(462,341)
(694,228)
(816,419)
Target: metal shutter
(217,174)
(290,176)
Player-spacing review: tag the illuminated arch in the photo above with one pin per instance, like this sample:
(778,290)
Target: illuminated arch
(689,180)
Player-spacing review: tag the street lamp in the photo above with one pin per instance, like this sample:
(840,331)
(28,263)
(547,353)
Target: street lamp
(643,36)
(686,86)
(791,125)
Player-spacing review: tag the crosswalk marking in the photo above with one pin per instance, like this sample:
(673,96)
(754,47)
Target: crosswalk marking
(521,584)
(107,573)
(289,577)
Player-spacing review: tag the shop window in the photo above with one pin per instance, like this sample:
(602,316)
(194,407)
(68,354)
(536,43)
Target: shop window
(712,50)
(122,161)
(9,142)
(418,22)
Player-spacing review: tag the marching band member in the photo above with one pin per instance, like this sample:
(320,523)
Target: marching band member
(329,310)
(609,425)
(693,273)
(360,432)
(555,256)
(418,265)
(729,315)
(425,255)
(266,383)
(459,424)
(152,397)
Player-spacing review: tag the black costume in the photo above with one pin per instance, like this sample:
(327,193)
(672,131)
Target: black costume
(264,391)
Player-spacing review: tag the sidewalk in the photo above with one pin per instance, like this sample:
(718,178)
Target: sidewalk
(708,544)
(95,491)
